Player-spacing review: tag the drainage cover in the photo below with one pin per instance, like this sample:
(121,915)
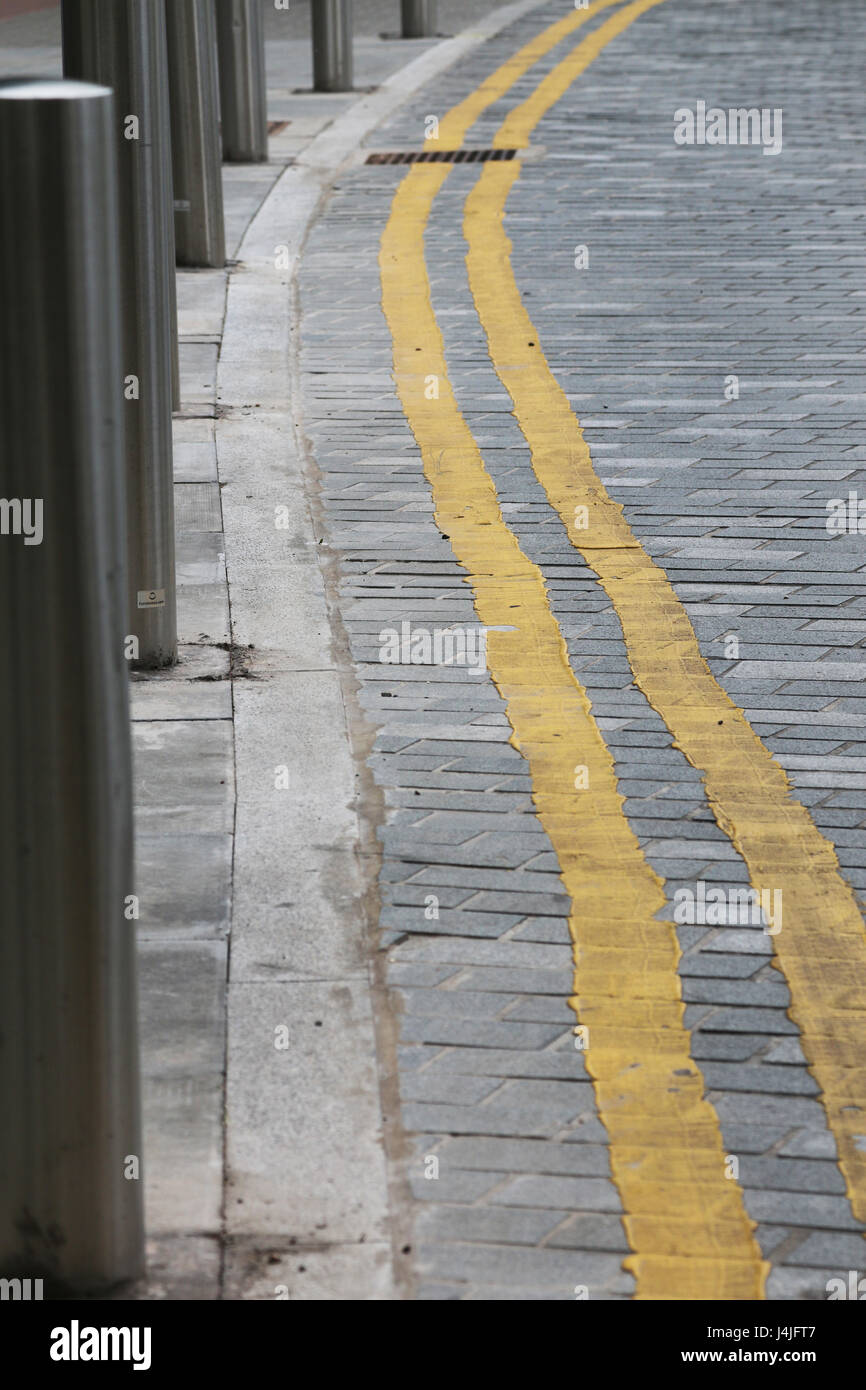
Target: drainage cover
(437,156)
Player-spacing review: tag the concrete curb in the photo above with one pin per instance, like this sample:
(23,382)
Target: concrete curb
(310,1072)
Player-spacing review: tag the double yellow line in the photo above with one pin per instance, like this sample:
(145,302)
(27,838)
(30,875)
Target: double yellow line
(683,1214)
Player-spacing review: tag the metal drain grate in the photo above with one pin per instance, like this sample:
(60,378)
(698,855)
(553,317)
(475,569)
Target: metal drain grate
(437,156)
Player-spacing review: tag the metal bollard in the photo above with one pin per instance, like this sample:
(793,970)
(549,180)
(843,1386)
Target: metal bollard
(242,84)
(70,1142)
(332,45)
(121,43)
(419,19)
(195,139)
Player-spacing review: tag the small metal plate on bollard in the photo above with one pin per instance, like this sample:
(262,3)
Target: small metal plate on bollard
(151,598)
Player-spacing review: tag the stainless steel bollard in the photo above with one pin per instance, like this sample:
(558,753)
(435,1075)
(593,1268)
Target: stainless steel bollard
(70,1141)
(196,152)
(242,83)
(419,19)
(121,43)
(332,45)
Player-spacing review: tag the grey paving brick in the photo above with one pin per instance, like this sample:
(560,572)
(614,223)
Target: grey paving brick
(753,993)
(512,954)
(457,1003)
(736,1047)
(824,1248)
(487,1225)
(454,1186)
(754,1138)
(407,920)
(482,1033)
(715,965)
(549,1010)
(792,1175)
(590,1231)
(810,1210)
(519,1118)
(538,1269)
(809,1144)
(565,1064)
(736,1020)
(454,1090)
(790,1111)
(525,1156)
(738,1076)
(571,1194)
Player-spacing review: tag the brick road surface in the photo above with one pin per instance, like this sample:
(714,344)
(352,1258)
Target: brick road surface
(704,264)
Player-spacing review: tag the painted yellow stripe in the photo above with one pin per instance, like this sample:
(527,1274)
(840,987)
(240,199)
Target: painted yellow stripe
(686,1218)
(454,125)
(822,944)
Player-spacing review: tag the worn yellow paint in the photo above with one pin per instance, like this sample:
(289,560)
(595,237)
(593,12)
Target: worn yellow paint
(821,947)
(457,121)
(684,1217)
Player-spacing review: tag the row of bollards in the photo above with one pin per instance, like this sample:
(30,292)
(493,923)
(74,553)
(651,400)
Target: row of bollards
(333,69)
(103,174)
(109,176)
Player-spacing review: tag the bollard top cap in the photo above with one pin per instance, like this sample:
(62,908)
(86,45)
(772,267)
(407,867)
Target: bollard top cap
(49,89)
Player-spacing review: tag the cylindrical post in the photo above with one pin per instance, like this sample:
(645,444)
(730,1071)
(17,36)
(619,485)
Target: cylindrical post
(332,45)
(243,90)
(195,138)
(70,1147)
(121,43)
(419,19)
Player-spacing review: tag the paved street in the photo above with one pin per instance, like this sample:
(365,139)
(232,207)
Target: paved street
(669,344)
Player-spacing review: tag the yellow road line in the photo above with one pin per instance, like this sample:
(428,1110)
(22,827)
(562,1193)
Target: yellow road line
(455,124)
(821,947)
(686,1221)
